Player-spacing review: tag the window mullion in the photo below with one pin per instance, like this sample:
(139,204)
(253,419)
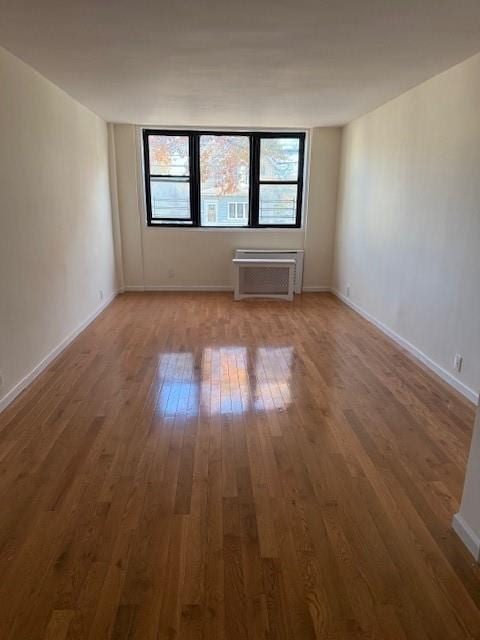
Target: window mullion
(194,178)
(301,169)
(146,162)
(254,180)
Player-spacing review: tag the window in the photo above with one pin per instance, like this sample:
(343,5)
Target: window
(278,180)
(224,162)
(238,210)
(228,179)
(168,186)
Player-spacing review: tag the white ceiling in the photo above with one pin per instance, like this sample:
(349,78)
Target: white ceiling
(246,63)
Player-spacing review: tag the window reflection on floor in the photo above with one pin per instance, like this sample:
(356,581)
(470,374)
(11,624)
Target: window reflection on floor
(273,372)
(224,386)
(177,384)
(225,380)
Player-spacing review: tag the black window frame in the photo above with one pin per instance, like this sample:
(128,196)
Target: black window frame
(194,221)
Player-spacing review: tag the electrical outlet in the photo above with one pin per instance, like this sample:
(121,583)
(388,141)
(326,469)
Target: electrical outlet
(458,362)
(348,289)
(171,274)
(100,294)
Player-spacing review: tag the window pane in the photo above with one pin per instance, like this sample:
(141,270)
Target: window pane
(278,204)
(224,178)
(279,158)
(170,198)
(169,155)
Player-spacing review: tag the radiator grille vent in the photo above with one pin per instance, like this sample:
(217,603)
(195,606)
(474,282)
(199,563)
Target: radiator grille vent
(260,280)
(292,254)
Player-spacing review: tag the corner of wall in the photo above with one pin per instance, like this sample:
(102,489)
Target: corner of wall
(466,523)
(116,225)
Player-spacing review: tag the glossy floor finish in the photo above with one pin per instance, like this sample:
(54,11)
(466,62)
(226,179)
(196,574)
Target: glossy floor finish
(192,467)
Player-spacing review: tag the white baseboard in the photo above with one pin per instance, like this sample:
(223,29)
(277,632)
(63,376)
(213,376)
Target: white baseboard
(202,287)
(10,396)
(467,535)
(190,287)
(431,364)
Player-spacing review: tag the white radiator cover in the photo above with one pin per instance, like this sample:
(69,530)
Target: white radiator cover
(291,254)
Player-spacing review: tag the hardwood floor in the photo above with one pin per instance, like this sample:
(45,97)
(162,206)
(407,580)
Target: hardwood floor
(192,467)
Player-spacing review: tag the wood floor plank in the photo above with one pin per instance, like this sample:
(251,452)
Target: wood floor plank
(195,467)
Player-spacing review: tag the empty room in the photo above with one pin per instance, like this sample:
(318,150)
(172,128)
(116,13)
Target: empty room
(240,320)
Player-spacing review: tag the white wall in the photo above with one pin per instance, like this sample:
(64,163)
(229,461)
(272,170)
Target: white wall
(56,249)
(408,225)
(202,257)
(325,146)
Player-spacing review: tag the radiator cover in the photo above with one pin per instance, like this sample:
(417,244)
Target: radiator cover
(292,254)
